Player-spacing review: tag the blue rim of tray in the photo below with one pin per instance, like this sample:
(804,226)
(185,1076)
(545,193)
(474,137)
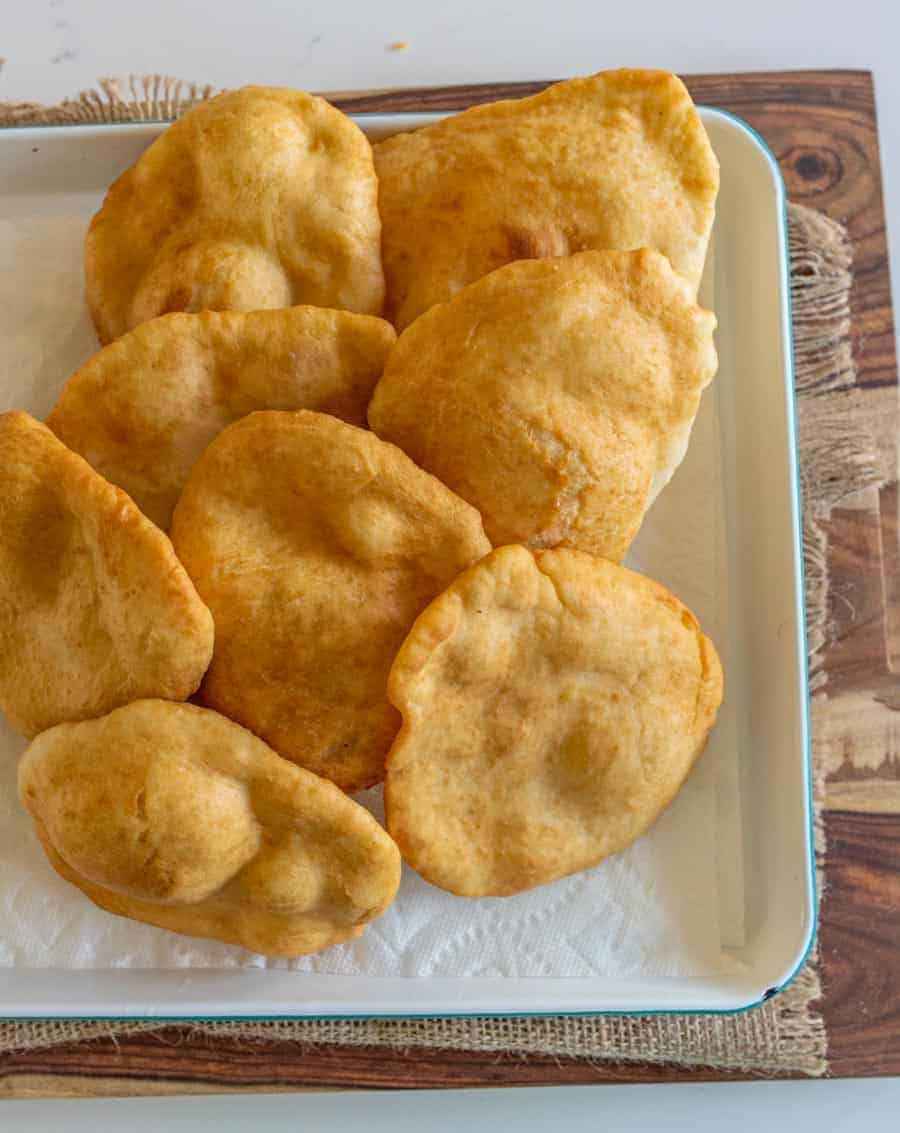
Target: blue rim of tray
(800,593)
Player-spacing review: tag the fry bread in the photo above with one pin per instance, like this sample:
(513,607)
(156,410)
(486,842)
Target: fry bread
(553,704)
(259,197)
(556,396)
(95,609)
(144,408)
(316,545)
(173,815)
(618,160)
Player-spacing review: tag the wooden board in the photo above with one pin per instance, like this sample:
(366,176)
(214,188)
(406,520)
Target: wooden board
(821,126)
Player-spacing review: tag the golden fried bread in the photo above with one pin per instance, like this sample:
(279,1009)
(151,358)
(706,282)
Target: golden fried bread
(95,609)
(556,396)
(618,160)
(553,704)
(316,545)
(173,815)
(260,197)
(143,409)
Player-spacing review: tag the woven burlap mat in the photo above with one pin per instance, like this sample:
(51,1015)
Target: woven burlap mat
(838,457)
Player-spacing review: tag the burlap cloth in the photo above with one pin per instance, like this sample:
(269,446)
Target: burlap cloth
(837,456)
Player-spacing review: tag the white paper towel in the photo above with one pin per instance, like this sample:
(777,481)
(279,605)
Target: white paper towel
(653,911)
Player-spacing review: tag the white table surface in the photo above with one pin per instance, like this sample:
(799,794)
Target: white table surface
(735,1107)
(54,48)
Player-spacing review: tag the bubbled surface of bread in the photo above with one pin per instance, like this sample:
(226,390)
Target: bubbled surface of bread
(316,545)
(617,160)
(553,704)
(144,408)
(95,609)
(173,815)
(259,197)
(556,396)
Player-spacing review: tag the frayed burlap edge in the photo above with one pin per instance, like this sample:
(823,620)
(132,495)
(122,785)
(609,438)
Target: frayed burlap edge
(838,458)
(137,98)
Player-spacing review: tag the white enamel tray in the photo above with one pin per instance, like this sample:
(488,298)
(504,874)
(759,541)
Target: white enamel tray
(762,735)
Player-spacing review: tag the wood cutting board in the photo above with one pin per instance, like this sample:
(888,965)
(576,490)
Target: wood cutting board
(822,127)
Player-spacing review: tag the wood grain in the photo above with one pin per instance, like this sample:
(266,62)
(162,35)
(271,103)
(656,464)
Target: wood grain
(822,128)
(859,942)
(172,1063)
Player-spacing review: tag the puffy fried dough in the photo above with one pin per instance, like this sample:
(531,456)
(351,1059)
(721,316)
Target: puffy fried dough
(316,545)
(260,197)
(173,815)
(95,609)
(143,409)
(556,396)
(619,160)
(553,705)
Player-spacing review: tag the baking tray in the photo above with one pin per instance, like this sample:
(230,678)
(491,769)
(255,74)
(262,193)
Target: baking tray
(47,172)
